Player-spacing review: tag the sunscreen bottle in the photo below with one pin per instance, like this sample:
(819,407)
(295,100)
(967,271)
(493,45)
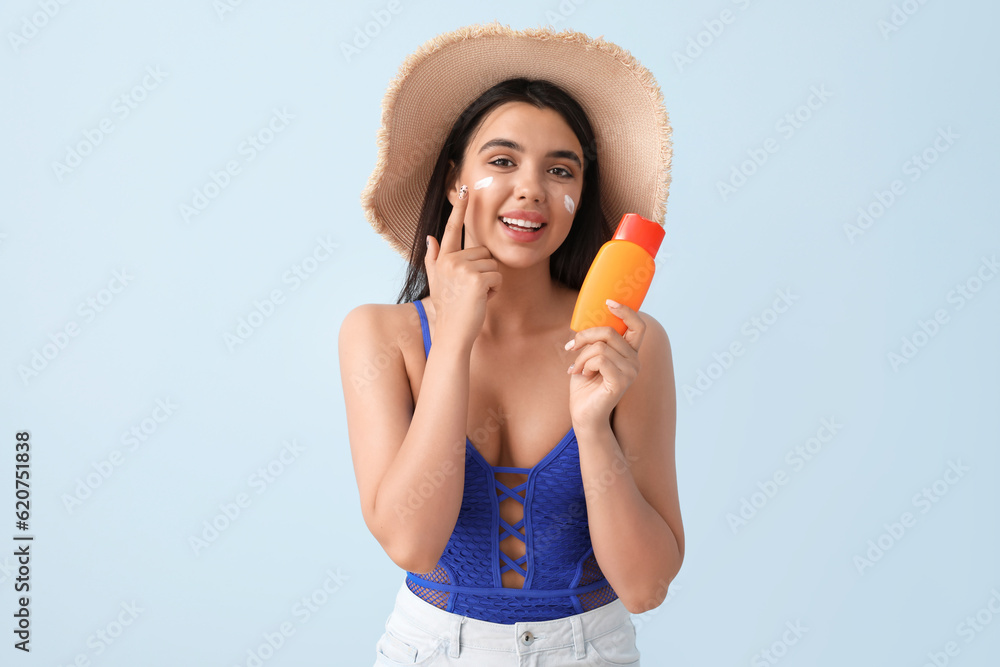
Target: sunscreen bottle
(622,271)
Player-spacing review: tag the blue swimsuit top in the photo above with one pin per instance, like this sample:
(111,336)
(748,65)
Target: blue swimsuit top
(561,574)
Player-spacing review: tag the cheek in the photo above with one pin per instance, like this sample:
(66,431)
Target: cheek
(570,204)
(483,183)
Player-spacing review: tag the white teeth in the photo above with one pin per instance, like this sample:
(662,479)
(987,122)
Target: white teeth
(522,223)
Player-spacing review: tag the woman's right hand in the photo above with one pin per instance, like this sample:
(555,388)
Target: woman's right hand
(460,281)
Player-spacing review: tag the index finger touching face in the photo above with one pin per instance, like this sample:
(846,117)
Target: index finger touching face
(451,240)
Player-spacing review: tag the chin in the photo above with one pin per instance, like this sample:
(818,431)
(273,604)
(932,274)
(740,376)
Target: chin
(522,258)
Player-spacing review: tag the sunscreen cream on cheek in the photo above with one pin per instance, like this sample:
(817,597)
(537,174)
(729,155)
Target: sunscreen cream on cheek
(483,183)
(569,204)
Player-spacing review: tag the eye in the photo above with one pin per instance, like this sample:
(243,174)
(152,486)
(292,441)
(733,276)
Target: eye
(563,172)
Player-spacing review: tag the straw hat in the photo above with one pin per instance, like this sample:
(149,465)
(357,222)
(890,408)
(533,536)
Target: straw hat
(441,78)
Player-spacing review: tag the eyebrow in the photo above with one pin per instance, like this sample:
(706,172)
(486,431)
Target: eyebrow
(513,145)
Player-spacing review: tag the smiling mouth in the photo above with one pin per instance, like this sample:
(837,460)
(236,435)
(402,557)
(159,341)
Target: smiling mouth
(521,225)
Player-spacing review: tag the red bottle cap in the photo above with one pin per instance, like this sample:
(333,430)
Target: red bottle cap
(637,229)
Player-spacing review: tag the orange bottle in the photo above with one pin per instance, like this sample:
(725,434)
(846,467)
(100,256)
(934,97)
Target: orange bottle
(622,270)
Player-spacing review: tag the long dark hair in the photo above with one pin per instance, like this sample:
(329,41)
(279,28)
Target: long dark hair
(570,262)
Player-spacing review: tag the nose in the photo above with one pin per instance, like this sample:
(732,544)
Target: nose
(529,185)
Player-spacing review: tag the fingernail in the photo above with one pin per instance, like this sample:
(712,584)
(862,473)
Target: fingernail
(570,369)
(612,303)
(570,344)
(428,241)
(463,191)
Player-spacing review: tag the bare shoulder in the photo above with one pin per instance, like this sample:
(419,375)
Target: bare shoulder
(375,328)
(360,323)
(655,342)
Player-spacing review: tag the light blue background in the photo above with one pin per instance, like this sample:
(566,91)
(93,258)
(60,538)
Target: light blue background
(722,263)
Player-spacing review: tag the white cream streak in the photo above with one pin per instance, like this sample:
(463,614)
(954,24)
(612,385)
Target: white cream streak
(483,183)
(570,204)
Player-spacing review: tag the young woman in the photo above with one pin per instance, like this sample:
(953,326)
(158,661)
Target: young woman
(520,472)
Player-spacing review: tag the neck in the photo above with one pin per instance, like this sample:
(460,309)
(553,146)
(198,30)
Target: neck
(528,302)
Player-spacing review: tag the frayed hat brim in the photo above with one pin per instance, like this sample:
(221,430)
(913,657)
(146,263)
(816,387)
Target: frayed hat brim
(443,76)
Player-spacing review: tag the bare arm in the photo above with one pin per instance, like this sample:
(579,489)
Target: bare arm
(409,462)
(630,478)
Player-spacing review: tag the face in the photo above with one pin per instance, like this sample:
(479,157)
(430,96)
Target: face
(524,162)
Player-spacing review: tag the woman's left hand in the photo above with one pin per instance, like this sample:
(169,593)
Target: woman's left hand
(605,367)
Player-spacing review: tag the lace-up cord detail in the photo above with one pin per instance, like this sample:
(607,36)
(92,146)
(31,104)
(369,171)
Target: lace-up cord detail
(518,565)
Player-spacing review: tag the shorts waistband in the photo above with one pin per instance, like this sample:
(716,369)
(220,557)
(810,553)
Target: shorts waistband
(522,637)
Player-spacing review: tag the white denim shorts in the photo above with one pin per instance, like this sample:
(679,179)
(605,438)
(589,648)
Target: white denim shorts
(418,633)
